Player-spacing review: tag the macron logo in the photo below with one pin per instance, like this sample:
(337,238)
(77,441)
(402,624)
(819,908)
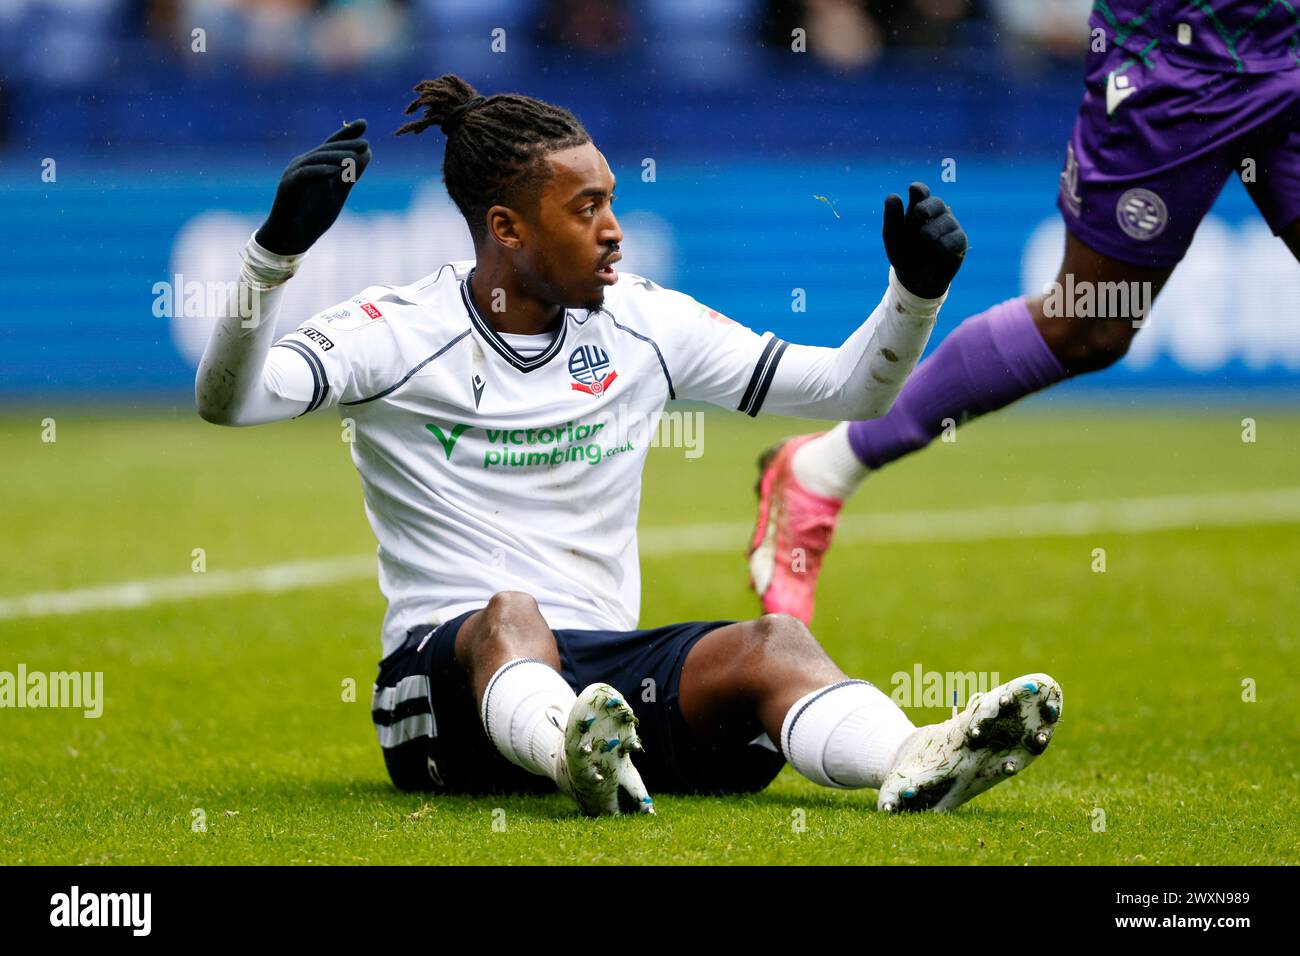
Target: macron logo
(103,909)
(1118,89)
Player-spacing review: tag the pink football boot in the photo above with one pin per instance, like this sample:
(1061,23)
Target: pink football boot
(793,532)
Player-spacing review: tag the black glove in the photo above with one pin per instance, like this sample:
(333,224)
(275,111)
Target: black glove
(925,246)
(312,191)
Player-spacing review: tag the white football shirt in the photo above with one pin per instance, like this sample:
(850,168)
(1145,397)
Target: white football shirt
(487,469)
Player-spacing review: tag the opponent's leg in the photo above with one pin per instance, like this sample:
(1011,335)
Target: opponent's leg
(1141,172)
(1275,151)
(1083,345)
(1291,236)
(535,719)
(771,675)
(986,363)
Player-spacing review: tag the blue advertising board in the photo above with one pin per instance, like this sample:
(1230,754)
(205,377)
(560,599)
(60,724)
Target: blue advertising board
(110,269)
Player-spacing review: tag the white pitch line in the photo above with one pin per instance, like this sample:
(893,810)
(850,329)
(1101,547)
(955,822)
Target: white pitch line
(270,579)
(1065,519)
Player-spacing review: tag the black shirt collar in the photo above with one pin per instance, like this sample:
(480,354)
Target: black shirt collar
(499,345)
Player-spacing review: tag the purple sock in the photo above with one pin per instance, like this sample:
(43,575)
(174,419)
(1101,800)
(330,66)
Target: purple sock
(984,364)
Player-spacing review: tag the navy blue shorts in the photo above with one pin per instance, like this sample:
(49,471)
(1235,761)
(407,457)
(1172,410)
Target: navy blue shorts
(433,739)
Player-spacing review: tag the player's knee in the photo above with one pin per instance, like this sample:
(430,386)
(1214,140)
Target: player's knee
(510,624)
(1094,344)
(779,635)
(1108,341)
(511,608)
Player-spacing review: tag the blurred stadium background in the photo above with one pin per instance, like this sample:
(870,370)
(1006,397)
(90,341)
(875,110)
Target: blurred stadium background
(166,145)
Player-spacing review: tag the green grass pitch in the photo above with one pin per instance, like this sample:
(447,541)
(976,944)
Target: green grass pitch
(233,705)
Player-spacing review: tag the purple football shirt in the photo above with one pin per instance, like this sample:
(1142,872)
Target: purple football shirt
(1240,36)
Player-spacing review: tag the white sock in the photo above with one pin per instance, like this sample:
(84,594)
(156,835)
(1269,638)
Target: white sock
(845,735)
(827,465)
(525,709)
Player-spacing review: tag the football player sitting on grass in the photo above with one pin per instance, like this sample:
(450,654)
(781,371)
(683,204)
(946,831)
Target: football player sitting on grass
(487,398)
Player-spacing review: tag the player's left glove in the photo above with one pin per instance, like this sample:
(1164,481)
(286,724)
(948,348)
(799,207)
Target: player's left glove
(926,244)
(313,189)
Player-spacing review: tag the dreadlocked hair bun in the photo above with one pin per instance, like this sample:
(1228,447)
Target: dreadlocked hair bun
(445,102)
(495,144)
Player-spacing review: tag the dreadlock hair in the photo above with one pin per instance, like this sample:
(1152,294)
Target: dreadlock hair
(495,144)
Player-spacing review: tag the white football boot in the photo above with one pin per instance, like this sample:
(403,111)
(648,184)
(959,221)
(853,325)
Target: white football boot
(941,766)
(595,766)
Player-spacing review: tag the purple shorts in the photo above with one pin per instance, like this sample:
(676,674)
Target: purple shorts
(1154,143)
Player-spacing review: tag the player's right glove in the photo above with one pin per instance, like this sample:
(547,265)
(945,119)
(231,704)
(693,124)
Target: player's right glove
(312,191)
(926,245)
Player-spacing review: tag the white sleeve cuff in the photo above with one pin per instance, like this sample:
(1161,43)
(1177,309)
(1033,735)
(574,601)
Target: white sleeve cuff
(264,269)
(911,304)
